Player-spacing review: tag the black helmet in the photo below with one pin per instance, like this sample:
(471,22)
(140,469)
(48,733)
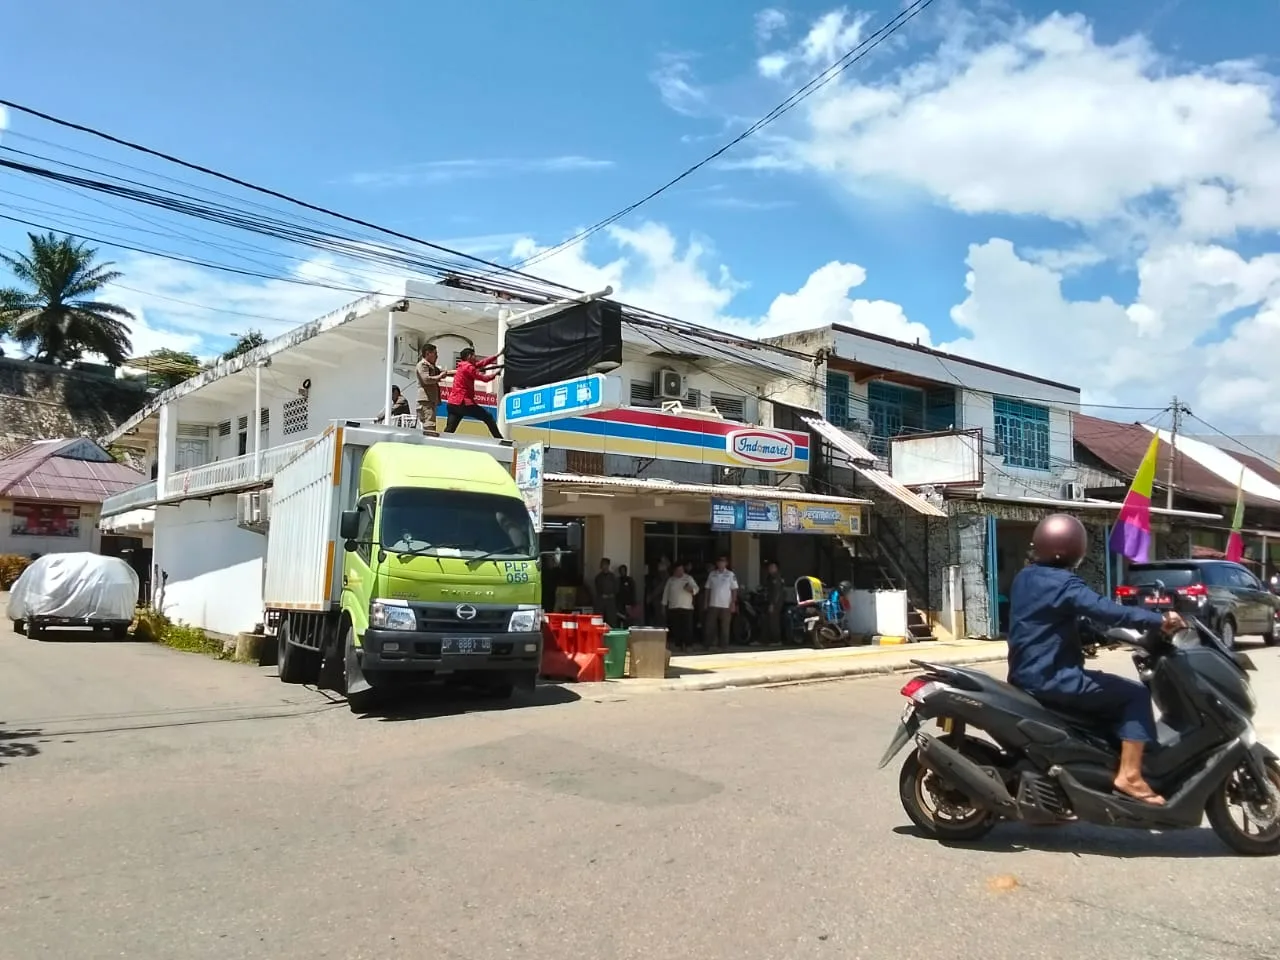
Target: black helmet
(1060,540)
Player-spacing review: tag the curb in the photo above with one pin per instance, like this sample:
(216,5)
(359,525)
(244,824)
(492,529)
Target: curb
(836,672)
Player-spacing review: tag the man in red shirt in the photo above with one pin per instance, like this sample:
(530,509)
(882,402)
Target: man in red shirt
(461,400)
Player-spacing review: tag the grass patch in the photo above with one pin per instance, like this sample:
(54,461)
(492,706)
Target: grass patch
(152,625)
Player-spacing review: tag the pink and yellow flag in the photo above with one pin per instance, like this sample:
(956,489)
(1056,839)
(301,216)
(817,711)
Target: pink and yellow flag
(1131,535)
(1235,542)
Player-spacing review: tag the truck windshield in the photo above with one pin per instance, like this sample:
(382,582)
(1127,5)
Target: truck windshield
(456,523)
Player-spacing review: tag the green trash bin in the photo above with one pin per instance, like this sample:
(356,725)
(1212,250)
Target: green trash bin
(615,660)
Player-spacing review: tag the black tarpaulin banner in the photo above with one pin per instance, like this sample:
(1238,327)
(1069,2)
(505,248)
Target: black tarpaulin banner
(567,344)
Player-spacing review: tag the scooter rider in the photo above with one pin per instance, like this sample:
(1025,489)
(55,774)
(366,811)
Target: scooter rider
(1045,656)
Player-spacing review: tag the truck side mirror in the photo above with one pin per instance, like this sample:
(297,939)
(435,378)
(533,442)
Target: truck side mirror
(574,535)
(349,525)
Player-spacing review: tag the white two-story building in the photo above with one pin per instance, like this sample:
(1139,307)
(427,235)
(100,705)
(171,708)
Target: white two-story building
(640,478)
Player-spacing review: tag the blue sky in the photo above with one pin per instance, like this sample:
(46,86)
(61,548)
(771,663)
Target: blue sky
(1075,150)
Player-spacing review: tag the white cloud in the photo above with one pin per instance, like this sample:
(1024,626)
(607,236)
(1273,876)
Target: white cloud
(651,271)
(1041,118)
(185,307)
(675,82)
(446,171)
(773,65)
(768,22)
(824,298)
(4,119)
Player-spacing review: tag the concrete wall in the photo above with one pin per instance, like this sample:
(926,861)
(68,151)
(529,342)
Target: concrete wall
(39,401)
(87,541)
(214,568)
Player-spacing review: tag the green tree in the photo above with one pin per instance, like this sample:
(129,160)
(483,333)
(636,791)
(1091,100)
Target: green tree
(244,343)
(167,368)
(56,319)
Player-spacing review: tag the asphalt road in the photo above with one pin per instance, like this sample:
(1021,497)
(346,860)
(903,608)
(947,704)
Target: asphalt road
(162,805)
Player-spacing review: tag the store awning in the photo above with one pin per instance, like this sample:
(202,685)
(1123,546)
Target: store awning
(903,494)
(862,460)
(840,440)
(640,486)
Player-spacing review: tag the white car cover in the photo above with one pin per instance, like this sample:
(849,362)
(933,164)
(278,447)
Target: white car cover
(79,586)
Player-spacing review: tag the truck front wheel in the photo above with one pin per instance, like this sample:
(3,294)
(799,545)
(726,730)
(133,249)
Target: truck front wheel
(295,664)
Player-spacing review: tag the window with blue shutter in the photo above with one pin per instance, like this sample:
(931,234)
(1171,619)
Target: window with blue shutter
(1022,433)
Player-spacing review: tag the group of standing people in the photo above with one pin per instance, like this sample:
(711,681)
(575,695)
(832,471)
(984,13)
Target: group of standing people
(674,599)
(460,400)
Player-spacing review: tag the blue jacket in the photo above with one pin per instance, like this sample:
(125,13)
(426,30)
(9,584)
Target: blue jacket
(1045,655)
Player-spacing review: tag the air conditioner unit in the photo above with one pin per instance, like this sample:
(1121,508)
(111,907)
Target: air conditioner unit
(248,509)
(668,385)
(1072,490)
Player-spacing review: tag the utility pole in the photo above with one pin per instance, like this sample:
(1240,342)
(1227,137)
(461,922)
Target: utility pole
(1178,410)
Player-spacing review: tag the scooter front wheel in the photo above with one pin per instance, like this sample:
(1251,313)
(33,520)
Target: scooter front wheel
(938,808)
(1238,794)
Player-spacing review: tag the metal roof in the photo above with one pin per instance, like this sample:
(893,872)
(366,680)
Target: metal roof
(839,439)
(653,486)
(1121,446)
(899,492)
(76,470)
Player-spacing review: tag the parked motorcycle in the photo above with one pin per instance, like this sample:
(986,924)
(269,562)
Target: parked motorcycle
(823,612)
(1048,765)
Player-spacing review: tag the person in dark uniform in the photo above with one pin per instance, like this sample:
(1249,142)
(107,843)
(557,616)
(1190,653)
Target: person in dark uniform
(627,595)
(606,593)
(775,592)
(1045,656)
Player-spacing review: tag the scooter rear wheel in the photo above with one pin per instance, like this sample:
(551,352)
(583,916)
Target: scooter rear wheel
(1228,799)
(939,809)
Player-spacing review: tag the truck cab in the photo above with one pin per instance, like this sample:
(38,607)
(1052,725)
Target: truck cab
(441,570)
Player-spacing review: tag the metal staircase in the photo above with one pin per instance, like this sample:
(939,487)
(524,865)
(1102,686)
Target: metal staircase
(887,566)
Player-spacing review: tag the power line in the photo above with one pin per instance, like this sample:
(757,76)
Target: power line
(1265,458)
(843,63)
(267,191)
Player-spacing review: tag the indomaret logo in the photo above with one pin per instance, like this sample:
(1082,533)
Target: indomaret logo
(760,446)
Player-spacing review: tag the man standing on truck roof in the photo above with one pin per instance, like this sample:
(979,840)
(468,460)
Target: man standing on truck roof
(429,376)
(461,401)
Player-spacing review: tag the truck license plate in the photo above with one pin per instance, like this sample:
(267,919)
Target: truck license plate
(465,645)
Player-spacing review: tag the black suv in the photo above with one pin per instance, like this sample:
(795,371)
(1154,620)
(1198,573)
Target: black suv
(1227,597)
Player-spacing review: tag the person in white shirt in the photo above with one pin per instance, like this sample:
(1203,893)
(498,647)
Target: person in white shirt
(722,604)
(677,598)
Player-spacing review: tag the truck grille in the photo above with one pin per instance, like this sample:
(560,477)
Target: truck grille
(443,618)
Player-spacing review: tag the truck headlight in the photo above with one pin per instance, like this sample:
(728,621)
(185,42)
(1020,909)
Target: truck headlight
(391,616)
(525,620)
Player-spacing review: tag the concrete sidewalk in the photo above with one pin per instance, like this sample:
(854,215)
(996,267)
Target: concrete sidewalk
(757,668)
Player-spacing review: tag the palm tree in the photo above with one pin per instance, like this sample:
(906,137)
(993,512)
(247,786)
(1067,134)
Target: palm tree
(57,316)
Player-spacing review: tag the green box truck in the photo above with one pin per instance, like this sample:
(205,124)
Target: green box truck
(391,555)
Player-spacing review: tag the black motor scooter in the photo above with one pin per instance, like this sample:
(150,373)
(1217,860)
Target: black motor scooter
(1045,765)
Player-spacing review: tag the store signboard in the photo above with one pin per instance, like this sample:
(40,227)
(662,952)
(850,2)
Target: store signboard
(45,520)
(646,433)
(839,519)
(748,516)
(567,398)
(529,480)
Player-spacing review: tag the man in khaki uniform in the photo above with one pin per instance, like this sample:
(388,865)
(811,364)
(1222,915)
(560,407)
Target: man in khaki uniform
(429,376)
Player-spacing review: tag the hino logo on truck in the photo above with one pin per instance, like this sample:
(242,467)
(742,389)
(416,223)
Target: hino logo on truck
(466,611)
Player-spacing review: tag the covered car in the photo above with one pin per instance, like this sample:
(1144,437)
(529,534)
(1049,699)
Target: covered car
(74,590)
